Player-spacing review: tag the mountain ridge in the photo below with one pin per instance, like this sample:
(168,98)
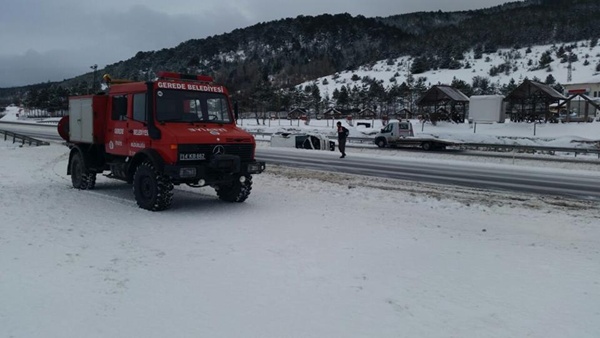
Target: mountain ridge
(260,59)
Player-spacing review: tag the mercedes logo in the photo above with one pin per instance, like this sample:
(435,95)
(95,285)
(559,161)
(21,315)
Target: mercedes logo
(218,150)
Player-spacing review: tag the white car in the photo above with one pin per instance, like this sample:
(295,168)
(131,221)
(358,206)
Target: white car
(302,141)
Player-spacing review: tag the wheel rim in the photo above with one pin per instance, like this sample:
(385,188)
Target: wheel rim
(146,187)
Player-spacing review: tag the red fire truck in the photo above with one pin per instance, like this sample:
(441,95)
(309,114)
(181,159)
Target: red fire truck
(177,129)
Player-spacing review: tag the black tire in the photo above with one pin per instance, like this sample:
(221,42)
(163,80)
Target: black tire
(426,146)
(91,177)
(81,178)
(153,191)
(236,191)
(380,142)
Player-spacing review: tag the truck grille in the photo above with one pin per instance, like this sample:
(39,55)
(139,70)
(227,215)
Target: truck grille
(244,151)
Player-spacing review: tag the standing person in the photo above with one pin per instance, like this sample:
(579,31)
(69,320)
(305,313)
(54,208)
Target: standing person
(342,135)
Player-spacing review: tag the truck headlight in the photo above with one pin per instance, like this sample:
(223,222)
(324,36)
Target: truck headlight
(256,167)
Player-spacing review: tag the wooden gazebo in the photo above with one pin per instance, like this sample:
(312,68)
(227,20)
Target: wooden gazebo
(402,114)
(332,113)
(586,112)
(296,114)
(444,98)
(366,114)
(531,102)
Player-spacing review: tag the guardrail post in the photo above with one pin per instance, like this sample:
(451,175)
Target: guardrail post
(534,128)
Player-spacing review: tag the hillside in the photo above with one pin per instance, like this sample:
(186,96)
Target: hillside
(490,73)
(257,61)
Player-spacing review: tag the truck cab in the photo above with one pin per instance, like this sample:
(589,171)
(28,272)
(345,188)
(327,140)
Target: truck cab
(392,132)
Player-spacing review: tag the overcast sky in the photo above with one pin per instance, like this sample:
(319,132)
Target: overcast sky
(51,40)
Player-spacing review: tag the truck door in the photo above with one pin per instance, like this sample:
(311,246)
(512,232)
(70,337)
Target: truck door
(116,126)
(405,129)
(388,132)
(137,132)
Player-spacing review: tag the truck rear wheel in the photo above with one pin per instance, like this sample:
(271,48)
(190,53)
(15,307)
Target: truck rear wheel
(81,178)
(236,191)
(427,146)
(153,191)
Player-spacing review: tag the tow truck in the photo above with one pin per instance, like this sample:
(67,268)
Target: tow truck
(401,134)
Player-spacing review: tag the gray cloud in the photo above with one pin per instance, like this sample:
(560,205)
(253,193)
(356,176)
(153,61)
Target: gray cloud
(52,40)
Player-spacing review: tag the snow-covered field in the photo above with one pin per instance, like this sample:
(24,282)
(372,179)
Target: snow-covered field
(308,255)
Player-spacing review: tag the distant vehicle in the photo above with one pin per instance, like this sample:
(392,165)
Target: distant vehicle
(573,117)
(302,141)
(401,134)
(563,115)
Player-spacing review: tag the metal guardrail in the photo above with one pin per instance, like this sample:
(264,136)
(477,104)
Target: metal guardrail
(54,123)
(524,148)
(361,140)
(509,147)
(22,138)
(43,124)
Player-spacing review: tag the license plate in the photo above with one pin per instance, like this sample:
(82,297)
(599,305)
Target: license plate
(191,157)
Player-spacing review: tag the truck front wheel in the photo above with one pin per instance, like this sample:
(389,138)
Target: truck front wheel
(81,178)
(380,142)
(236,191)
(153,191)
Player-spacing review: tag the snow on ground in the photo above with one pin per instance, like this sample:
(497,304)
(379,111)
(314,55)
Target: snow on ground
(309,254)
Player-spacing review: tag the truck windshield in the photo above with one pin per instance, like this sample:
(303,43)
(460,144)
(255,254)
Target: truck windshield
(190,106)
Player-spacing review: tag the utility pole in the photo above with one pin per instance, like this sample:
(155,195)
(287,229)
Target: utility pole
(570,70)
(94,67)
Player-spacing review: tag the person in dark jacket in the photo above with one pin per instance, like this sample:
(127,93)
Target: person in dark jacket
(342,135)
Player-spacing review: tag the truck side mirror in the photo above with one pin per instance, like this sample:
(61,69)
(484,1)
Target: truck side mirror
(236,110)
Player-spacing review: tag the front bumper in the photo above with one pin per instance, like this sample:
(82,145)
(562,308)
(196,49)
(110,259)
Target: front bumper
(217,170)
